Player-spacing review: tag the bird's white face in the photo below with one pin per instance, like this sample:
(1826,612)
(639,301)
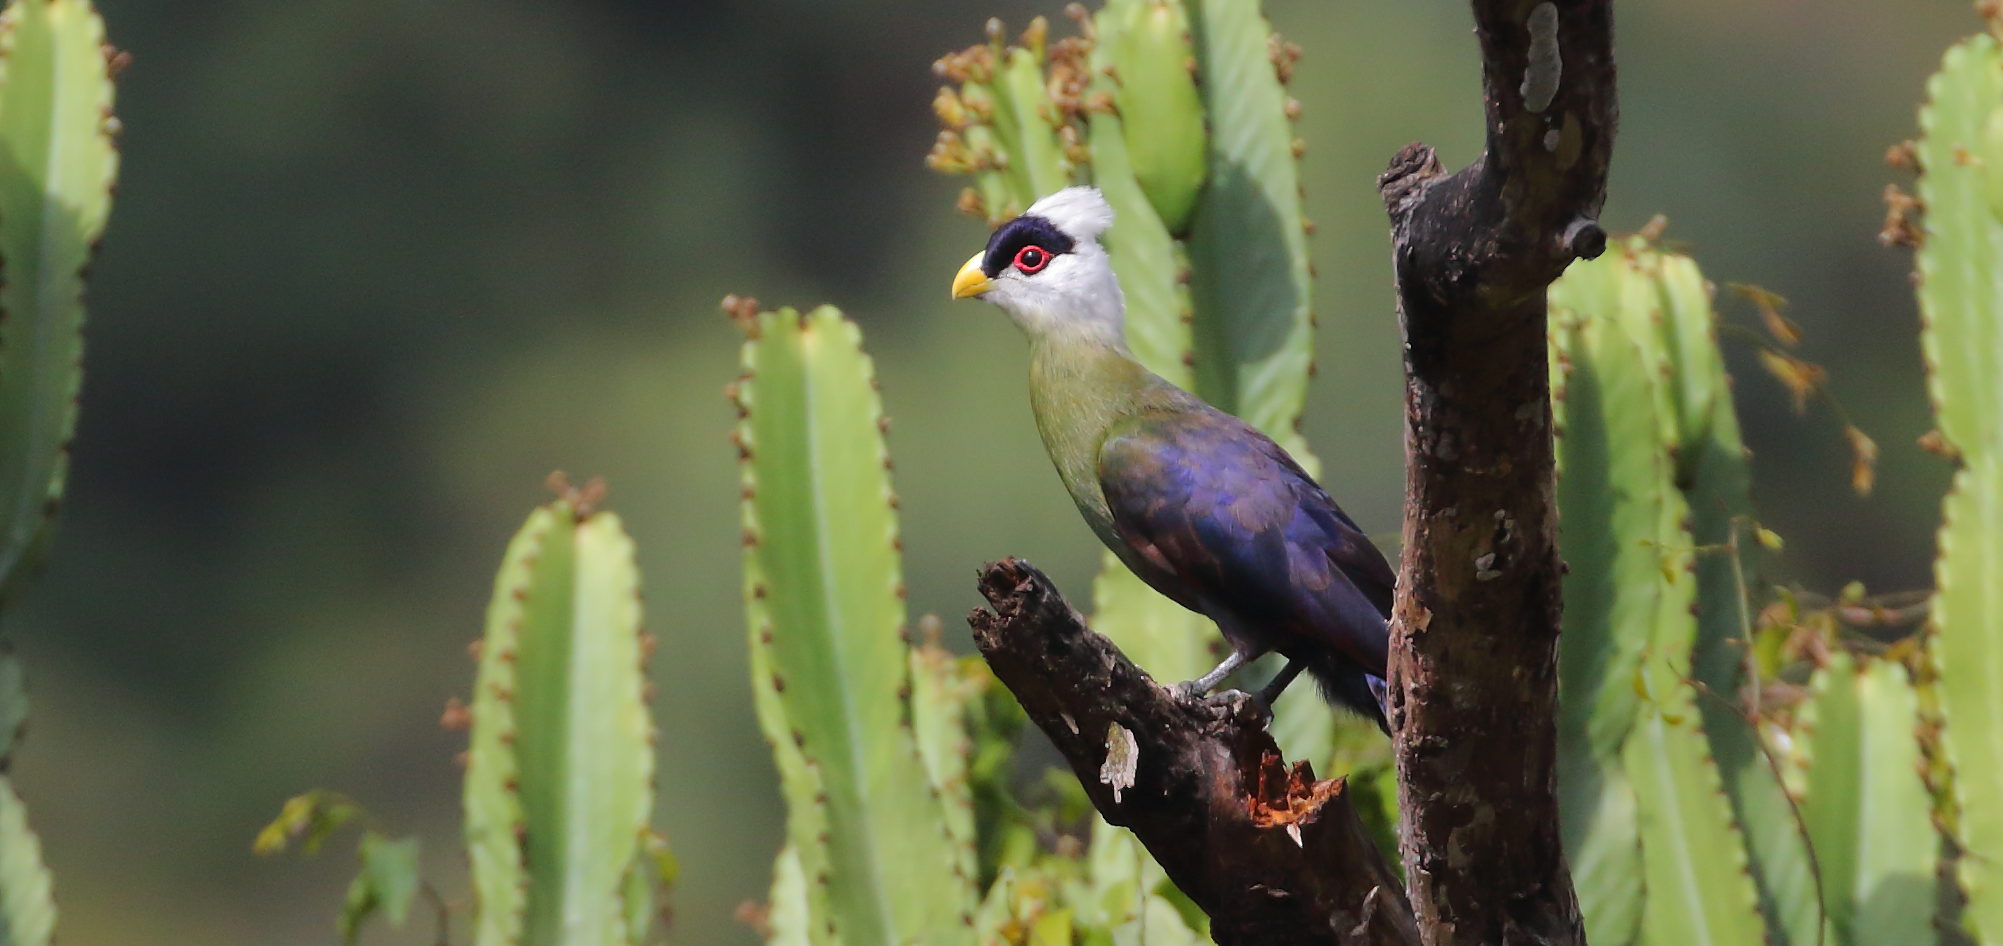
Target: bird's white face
(1047,270)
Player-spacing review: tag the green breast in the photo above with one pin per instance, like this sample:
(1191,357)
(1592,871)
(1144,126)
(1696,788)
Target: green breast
(1077,393)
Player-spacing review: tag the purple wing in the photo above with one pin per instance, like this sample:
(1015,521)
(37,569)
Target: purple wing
(1229,521)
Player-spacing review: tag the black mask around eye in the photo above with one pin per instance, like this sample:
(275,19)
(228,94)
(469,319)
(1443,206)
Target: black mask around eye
(1010,238)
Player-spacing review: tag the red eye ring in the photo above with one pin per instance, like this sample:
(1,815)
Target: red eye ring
(1031,259)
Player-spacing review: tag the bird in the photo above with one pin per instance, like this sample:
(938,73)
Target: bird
(1202,506)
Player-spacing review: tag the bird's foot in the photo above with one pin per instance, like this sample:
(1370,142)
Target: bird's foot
(1235,702)
(1190,690)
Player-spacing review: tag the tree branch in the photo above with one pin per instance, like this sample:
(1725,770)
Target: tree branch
(1474,635)
(1275,857)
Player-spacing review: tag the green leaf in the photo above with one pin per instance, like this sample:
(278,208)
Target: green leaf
(1867,810)
(388,882)
(310,819)
(57,165)
(823,579)
(1249,272)
(27,907)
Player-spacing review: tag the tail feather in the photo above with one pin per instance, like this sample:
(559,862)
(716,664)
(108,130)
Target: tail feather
(1351,687)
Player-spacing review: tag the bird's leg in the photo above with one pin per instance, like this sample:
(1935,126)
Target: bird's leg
(1193,689)
(1279,683)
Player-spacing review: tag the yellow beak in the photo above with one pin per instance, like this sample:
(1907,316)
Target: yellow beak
(970,281)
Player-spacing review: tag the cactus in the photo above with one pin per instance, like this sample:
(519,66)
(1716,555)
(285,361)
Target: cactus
(1960,251)
(560,756)
(825,605)
(1249,270)
(27,909)
(560,770)
(1648,453)
(1866,807)
(57,165)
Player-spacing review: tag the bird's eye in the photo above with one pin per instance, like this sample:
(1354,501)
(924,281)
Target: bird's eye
(1031,259)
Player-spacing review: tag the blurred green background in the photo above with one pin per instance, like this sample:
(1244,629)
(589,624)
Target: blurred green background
(377,267)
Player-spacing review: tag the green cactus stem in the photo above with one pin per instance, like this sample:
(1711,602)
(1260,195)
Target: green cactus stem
(825,605)
(1250,278)
(1961,308)
(1634,758)
(560,770)
(1867,809)
(57,166)
(27,906)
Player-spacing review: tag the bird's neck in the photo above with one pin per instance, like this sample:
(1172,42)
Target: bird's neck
(1079,386)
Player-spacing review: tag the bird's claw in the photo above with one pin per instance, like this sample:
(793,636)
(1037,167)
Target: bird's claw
(1234,699)
(1227,700)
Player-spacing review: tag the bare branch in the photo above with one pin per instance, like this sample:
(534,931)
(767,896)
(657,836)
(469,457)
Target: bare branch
(1474,638)
(1275,857)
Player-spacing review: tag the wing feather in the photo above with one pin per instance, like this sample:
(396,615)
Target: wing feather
(1229,521)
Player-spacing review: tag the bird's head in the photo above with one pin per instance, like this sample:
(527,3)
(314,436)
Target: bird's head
(1047,270)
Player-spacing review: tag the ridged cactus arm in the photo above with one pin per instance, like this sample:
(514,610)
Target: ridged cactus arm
(942,688)
(1961,132)
(493,803)
(582,736)
(825,582)
(1714,473)
(1636,777)
(1249,271)
(1160,106)
(27,905)
(1961,250)
(561,764)
(1694,862)
(1866,807)
(1031,131)
(798,908)
(1600,415)
(1141,245)
(57,166)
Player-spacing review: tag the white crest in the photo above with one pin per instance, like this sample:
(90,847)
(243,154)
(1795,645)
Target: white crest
(1081,212)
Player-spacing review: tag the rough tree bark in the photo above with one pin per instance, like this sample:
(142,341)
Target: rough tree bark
(1474,636)
(1275,857)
